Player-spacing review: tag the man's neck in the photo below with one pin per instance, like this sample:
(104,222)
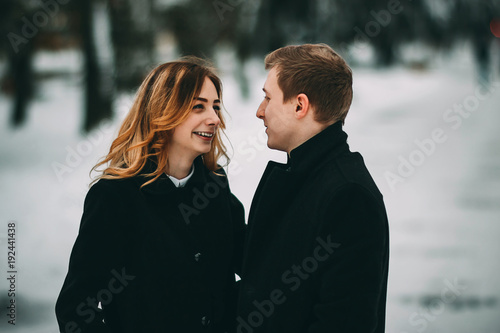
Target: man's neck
(307,132)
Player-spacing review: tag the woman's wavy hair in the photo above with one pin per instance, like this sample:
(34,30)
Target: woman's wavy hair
(163,101)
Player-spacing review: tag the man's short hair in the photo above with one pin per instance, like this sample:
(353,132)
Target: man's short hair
(317,71)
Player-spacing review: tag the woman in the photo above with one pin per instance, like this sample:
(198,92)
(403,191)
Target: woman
(161,234)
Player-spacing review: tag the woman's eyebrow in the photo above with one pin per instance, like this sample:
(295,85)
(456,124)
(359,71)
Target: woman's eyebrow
(205,100)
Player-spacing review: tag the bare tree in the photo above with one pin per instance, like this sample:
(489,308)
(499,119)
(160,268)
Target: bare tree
(132,30)
(19,80)
(98,99)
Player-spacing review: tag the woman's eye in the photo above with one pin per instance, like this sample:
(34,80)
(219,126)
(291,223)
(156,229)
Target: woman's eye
(198,107)
(217,107)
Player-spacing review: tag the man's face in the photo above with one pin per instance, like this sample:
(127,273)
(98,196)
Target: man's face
(278,116)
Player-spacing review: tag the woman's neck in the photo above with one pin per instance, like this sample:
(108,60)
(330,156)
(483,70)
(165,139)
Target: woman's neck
(178,167)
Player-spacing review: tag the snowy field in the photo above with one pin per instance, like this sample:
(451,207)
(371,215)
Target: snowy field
(439,171)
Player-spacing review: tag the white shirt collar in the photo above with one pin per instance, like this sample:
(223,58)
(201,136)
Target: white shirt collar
(183,181)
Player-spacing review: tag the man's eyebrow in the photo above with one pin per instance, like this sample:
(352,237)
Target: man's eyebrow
(205,100)
(264,89)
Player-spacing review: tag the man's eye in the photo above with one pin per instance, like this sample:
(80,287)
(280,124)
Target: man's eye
(267,98)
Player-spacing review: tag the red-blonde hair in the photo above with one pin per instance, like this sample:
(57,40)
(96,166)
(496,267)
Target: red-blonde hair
(163,101)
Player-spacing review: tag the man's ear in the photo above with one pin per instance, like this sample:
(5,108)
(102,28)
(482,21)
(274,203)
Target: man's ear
(302,106)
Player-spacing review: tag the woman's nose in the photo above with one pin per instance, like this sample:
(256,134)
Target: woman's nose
(213,119)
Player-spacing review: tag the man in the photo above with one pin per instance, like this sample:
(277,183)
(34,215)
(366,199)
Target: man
(316,257)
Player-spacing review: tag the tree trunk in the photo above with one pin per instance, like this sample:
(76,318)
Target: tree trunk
(97,100)
(133,41)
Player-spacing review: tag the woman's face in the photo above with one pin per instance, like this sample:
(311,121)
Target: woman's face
(194,136)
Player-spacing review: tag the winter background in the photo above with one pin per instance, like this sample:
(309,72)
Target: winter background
(425,116)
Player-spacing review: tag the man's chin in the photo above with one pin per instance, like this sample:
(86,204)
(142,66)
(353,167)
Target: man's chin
(274,146)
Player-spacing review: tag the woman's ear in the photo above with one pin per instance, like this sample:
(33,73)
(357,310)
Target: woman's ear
(303,106)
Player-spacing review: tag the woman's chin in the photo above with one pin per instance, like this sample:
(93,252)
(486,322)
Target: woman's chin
(202,151)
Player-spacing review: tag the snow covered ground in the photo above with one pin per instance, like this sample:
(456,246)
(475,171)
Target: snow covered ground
(438,170)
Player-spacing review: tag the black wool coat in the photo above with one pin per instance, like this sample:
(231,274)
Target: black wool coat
(158,259)
(317,247)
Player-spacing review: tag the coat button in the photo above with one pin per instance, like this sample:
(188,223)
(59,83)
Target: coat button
(205,321)
(197,256)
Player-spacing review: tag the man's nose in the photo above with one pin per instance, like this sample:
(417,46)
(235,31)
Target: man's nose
(260,111)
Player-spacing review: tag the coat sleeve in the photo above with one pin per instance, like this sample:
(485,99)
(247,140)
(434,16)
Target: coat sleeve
(239,228)
(238,224)
(352,284)
(94,262)
(238,216)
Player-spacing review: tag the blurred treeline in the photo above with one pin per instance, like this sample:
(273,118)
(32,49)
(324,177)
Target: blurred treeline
(119,39)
